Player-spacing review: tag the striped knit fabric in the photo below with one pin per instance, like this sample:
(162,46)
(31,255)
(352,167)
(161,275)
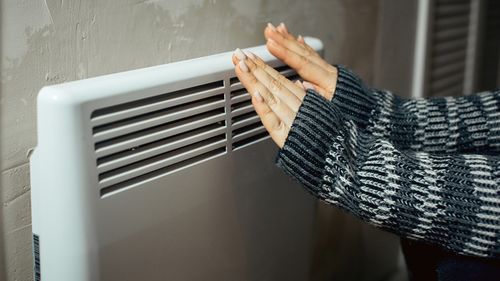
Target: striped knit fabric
(403,165)
(466,124)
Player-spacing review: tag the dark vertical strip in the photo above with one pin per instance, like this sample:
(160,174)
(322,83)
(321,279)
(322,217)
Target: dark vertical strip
(36,257)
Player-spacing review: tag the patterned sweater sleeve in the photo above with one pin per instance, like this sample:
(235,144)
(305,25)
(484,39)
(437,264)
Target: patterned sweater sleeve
(467,124)
(449,200)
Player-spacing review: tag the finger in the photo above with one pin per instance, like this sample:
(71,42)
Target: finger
(285,33)
(271,28)
(305,68)
(289,42)
(237,56)
(282,29)
(246,75)
(301,40)
(274,126)
(297,91)
(276,86)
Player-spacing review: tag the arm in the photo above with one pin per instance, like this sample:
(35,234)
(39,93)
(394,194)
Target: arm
(467,124)
(449,200)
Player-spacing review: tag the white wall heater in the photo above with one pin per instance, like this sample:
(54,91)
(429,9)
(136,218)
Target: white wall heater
(164,173)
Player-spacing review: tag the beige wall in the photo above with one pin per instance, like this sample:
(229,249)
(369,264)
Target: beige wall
(53,41)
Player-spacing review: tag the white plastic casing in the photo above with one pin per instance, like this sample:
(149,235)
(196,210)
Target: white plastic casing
(101,215)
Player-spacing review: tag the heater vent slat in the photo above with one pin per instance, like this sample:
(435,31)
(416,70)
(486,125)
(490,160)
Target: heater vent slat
(252,118)
(248,131)
(234,81)
(235,84)
(161,131)
(138,153)
(159,117)
(148,165)
(109,190)
(243,109)
(235,107)
(138,107)
(235,87)
(241,117)
(241,96)
(254,138)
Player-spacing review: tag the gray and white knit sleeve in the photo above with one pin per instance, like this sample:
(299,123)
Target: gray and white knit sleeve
(449,200)
(466,124)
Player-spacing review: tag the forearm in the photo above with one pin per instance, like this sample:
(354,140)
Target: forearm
(449,200)
(468,124)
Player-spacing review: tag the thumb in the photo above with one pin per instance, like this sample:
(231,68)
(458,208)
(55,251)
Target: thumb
(308,85)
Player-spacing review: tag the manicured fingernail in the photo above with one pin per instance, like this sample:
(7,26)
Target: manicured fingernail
(249,54)
(280,29)
(243,66)
(271,26)
(299,38)
(257,96)
(308,85)
(239,54)
(283,27)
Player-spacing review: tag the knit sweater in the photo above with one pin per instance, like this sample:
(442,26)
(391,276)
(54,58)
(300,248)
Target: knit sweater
(423,168)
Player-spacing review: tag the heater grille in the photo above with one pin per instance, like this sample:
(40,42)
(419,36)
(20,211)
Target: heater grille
(137,139)
(151,137)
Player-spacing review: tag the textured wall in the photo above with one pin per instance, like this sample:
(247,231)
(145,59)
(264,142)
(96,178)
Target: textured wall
(53,41)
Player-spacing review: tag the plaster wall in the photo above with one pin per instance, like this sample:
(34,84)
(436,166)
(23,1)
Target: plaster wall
(53,41)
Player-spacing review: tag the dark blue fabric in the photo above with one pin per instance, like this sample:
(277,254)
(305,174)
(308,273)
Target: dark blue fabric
(427,262)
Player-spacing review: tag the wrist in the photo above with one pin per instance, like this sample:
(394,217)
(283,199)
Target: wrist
(334,78)
(352,97)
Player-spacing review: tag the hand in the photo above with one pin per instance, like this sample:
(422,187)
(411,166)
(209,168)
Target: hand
(321,76)
(275,98)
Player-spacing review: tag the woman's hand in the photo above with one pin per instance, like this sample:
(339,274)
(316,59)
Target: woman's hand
(301,57)
(275,98)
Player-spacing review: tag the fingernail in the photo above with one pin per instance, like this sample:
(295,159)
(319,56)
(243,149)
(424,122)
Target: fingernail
(308,85)
(271,26)
(257,96)
(239,54)
(299,38)
(283,27)
(249,54)
(243,66)
(280,28)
